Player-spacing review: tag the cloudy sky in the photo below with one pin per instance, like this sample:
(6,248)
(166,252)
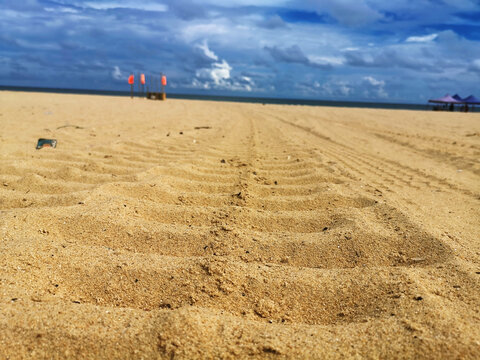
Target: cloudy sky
(373,50)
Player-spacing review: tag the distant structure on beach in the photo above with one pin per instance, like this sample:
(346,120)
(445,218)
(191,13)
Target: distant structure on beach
(447,102)
(155,87)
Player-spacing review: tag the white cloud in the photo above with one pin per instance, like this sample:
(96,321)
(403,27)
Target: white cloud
(377,87)
(117,73)
(139,5)
(382,93)
(61,9)
(218,73)
(344,89)
(374,81)
(326,60)
(335,88)
(208,53)
(422,39)
(200,84)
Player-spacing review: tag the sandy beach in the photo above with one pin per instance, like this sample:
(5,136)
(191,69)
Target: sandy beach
(195,229)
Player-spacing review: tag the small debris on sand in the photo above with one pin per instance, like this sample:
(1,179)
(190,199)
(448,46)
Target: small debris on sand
(68,125)
(41,143)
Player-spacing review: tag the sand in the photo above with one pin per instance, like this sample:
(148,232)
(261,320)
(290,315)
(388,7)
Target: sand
(274,232)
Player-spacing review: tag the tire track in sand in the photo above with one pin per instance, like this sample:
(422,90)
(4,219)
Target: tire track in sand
(252,230)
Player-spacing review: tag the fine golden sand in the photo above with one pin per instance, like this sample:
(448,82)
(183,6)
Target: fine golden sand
(192,229)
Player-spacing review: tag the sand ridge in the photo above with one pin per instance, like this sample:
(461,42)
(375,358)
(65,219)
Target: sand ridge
(278,232)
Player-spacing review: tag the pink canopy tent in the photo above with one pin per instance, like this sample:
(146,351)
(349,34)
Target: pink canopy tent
(447,99)
(449,102)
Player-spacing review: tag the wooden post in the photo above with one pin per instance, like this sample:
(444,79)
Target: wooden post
(163,87)
(139,85)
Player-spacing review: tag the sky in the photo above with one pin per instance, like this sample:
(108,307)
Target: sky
(350,50)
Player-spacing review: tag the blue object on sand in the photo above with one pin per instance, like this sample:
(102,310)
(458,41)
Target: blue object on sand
(41,143)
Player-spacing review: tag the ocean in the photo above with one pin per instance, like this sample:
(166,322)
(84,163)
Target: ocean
(278,101)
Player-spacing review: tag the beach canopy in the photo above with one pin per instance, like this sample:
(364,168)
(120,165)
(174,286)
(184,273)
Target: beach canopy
(457,97)
(471,100)
(447,99)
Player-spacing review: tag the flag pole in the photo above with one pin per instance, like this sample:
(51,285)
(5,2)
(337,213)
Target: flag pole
(138,74)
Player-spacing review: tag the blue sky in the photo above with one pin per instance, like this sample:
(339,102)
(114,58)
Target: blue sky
(367,50)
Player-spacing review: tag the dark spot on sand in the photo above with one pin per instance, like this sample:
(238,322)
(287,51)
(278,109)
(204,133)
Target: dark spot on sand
(271,350)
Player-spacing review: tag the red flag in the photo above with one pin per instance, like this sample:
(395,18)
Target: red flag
(142,79)
(131,79)
(164,80)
